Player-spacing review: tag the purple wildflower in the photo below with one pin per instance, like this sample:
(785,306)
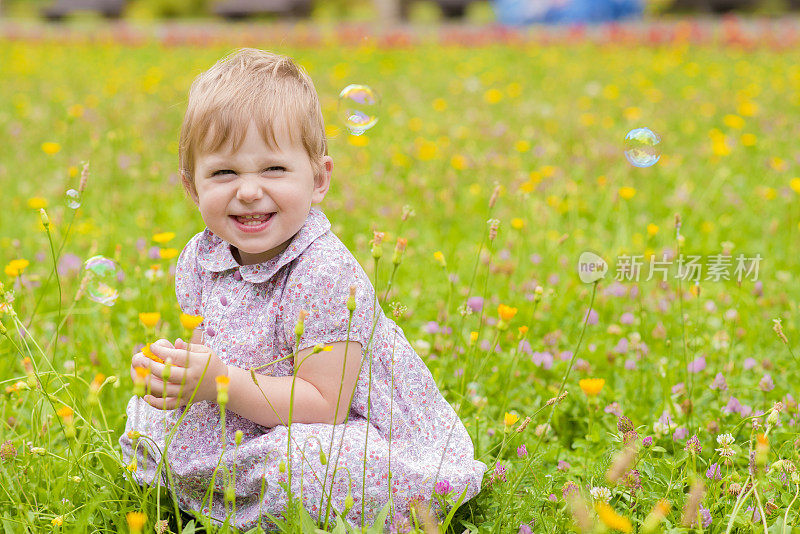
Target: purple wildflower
(733,406)
(693,445)
(705,516)
(647,441)
(153,253)
(766,383)
(431,327)
(679,388)
(714,472)
(443,487)
(756,514)
(475,304)
(614,408)
(626,318)
(719,383)
(569,488)
(69,264)
(680,433)
(697,365)
(542,359)
(525,529)
(749,363)
(522,451)
(590,317)
(563,466)
(630,365)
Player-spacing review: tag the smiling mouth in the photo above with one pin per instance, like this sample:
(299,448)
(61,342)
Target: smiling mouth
(252,220)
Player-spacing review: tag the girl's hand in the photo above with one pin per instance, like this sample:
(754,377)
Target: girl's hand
(189,361)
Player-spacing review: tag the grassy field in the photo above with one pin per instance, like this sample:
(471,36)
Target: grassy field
(543,125)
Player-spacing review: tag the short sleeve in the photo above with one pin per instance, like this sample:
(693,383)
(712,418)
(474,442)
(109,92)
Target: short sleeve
(188,283)
(322,289)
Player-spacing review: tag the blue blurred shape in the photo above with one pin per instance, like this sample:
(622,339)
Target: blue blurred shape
(520,12)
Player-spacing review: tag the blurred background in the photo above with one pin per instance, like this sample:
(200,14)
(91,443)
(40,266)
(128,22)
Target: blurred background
(510,12)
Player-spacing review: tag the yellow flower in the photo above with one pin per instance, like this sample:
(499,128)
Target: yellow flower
(794,183)
(57,521)
(517,223)
(15,267)
(522,146)
(440,104)
(51,148)
(493,96)
(37,203)
(591,386)
(190,322)
(749,139)
(733,121)
(147,351)
(458,162)
(142,372)
(652,229)
(522,331)
(163,237)
(439,257)
(65,412)
(167,253)
(358,140)
(223,380)
(611,518)
(506,313)
(149,319)
(627,192)
(510,418)
(473,337)
(136,521)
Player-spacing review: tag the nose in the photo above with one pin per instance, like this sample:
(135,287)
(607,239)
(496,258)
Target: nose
(249,189)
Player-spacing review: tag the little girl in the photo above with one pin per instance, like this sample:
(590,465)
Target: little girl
(288,314)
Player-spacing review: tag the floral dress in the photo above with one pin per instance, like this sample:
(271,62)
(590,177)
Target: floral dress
(249,314)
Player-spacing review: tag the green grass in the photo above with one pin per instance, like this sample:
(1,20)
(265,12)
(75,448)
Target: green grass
(544,122)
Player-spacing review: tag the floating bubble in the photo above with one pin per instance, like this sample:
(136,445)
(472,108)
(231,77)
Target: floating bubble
(358,108)
(72,199)
(641,147)
(101,275)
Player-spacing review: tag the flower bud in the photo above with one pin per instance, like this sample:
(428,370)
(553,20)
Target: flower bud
(282,466)
(230,493)
(399,248)
(377,249)
(300,327)
(238,437)
(348,500)
(351,300)
(44,217)
(322,458)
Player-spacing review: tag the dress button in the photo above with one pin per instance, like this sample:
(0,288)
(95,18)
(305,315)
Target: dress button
(210,331)
(223,300)
(237,275)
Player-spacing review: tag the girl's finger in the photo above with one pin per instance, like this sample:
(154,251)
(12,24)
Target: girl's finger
(169,403)
(177,374)
(163,343)
(180,356)
(158,386)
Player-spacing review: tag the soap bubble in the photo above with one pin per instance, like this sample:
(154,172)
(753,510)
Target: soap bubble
(641,147)
(72,199)
(101,274)
(358,108)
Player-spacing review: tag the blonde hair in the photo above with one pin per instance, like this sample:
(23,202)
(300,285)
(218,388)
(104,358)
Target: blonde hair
(250,84)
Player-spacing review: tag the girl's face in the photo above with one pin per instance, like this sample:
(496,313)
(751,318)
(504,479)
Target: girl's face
(258,198)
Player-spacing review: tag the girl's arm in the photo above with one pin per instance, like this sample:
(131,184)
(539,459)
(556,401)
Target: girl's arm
(323,379)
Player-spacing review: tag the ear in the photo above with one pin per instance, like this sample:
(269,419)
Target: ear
(322,182)
(188,185)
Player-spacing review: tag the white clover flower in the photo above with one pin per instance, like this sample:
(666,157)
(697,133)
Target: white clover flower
(660,428)
(726,440)
(600,493)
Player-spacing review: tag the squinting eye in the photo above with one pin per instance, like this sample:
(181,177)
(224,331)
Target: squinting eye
(225,171)
(277,168)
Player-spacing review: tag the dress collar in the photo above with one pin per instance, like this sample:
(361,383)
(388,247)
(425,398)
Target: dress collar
(214,253)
